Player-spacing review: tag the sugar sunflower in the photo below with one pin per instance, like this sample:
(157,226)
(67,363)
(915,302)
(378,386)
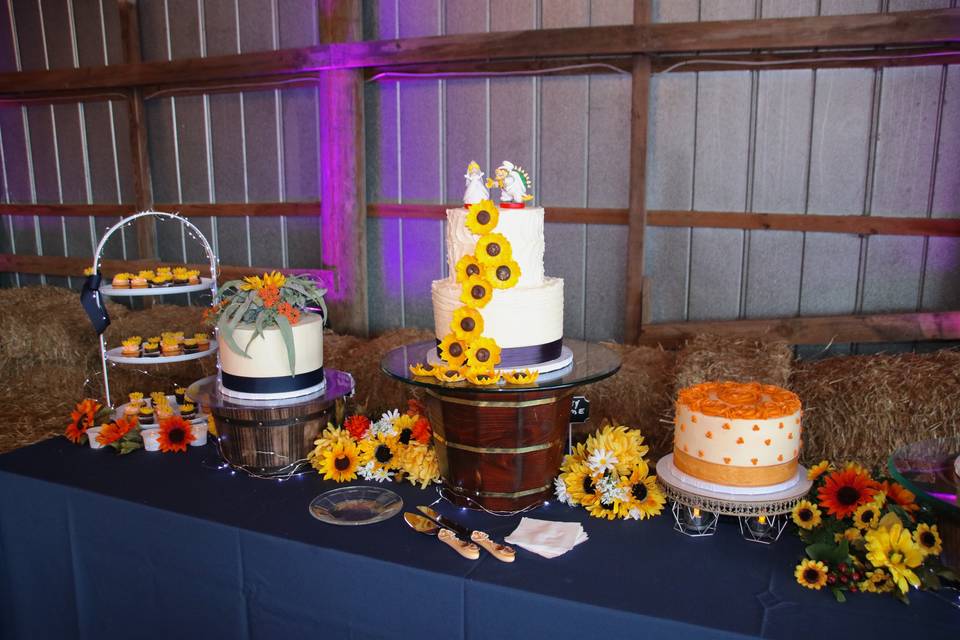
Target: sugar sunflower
(467,266)
(453,351)
(580,486)
(340,463)
(928,539)
(502,274)
(867,516)
(894,550)
(483,217)
(450,374)
(811,574)
(476,292)
(380,450)
(483,377)
(175,434)
(493,248)
(521,376)
(483,353)
(806,515)
(900,495)
(819,469)
(420,369)
(467,324)
(843,492)
(644,497)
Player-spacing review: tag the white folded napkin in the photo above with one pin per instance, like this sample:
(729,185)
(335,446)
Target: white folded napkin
(546,538)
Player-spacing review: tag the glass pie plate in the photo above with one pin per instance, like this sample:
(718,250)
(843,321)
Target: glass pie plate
(351,506)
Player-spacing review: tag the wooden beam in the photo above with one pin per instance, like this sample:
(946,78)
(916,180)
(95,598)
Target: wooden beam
(898,327)
(637,215)
(576,215)
(343,204)
(67,210)
(241,209)
(74,266)
(901,28)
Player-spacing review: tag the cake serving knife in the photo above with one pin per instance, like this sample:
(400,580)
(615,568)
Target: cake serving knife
(499,551)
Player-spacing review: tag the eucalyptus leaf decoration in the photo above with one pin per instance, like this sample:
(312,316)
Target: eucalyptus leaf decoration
(264,302)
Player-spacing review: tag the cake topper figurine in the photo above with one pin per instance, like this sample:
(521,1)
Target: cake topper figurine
(475,191)
(513,182)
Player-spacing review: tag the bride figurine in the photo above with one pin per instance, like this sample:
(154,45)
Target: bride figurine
(475,191)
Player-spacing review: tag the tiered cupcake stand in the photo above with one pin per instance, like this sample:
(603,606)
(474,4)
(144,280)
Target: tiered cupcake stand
(500,447)
(206,284)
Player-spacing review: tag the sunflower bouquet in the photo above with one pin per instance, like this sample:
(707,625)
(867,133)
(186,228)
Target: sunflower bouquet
(395,447)
(609,476)
(865,534)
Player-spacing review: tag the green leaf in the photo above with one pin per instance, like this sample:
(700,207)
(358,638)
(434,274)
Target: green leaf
(287,332)
(228,322)
(838,594)
(929,579)
(830,554)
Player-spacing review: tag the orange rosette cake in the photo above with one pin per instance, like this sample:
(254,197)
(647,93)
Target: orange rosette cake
(737,434)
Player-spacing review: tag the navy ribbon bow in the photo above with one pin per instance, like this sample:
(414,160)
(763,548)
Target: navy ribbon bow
(92,303)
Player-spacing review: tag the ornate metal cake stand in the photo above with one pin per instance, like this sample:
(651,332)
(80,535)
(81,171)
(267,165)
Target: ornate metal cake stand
(696,511)
(272,437)
(500,446)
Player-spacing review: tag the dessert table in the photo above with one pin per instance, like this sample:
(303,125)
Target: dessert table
(96,545)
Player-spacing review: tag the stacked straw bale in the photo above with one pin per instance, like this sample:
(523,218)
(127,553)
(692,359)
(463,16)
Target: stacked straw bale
(708,357)
(864,407)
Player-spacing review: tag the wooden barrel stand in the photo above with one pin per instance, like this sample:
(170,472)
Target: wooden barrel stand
(499,451)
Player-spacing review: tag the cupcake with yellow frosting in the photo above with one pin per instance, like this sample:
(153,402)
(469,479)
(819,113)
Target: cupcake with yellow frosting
(170,346)
(193,276)
(203,341)
(122,280)
(131,347)
(151,349)
(146,415)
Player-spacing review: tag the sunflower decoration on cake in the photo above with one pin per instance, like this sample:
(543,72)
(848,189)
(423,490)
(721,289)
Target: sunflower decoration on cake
(467,324)
(609,476)
(483,377)
(483,217)
(521,377)
(398,447)
(468,266)
(421,369)
(453,350)
(493,248)
(502,274)
(450,374)
(483,353)
(476,292)
(865,533)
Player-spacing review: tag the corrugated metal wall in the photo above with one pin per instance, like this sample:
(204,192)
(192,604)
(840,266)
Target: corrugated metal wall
(843,141)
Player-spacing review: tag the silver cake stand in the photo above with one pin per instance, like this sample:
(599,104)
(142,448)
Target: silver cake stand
(696,510)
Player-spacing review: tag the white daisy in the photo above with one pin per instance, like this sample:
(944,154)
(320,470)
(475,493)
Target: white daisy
(602,460)
(634,513)
(381,473)
(610,490)
(385,424)
(560,489)
(365,471)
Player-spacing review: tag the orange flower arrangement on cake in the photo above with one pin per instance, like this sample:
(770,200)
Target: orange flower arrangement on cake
(175,434)
(288,311)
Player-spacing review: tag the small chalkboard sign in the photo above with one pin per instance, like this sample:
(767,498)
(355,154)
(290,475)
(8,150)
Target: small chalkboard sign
(579,409)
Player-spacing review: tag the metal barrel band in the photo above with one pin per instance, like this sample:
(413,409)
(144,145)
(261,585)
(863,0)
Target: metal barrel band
(508,495)
(492,403)
(502,450)
(248,423)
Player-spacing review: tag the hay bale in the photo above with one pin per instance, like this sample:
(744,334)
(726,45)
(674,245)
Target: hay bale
(863,407)
(640,395)
(46,325)
(709,357)
(32,409)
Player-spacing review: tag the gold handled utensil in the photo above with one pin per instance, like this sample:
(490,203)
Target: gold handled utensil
(465,548)
(501,552)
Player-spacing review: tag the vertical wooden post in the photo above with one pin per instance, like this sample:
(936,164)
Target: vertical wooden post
(343,204)
(634,313)
(142,187)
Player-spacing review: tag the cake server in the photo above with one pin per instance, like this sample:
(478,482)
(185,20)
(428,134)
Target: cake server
(501,552)
(420,524)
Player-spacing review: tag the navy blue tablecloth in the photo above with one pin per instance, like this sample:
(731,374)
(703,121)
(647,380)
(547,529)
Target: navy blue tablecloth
(94,545)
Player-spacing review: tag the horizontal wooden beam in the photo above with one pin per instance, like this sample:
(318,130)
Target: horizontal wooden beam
(902,327)
(553,214)
(903,28)
(241,209)
(67,210)
(852,224)
(72,266)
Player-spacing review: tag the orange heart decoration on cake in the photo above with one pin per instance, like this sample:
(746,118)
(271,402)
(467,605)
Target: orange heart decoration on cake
(753,460)
(700,453)
(781,425)
(693,418)
(709,434)
(683,427)
(727,460)
(740,440)
(767,442)
(726,425)
(790,436)
(756,427)
(780,458)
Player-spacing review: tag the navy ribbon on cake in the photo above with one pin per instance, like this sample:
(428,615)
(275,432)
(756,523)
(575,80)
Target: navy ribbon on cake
(279,384)
(518,357)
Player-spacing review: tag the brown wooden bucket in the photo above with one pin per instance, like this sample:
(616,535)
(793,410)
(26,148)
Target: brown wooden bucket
(499,451)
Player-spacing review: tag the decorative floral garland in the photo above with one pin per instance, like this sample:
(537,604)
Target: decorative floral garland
(395,447)
(124,434)
(609,476)
(866,535)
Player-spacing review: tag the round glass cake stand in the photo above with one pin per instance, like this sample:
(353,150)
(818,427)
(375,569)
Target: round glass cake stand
(500,446)
(272,437)
(927,469)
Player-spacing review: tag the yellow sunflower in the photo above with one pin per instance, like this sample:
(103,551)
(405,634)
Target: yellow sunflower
(381,450)
(579,483)
(877,581)
(483,353)
(819,469)
(483,217)
(420,369)
(453,351)
(598,509)
(467,266)
(340,463)
(521,376)
(811,574)
(894,550)
(577,454)
(622,442)
(806,515)
(502,274)
(274,278)
(467,324)
(867,516)
(852,534)
(476,292)
(928,539)
(493,248)
(450,374)
(252,283)
(482,377)
(644,497)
